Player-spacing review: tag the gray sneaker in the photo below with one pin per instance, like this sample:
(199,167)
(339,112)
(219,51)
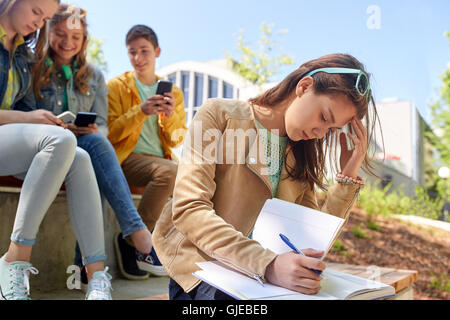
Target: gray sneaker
(99,287)
(15,280)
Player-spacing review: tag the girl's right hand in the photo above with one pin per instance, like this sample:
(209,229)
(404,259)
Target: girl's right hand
(293,271)
(42,116)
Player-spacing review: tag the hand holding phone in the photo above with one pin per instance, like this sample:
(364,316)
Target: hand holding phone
(81,131)
(67,117)
(163,87)
(162,103)
(84,119)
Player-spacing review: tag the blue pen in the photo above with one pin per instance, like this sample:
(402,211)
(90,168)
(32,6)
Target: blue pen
(291,245)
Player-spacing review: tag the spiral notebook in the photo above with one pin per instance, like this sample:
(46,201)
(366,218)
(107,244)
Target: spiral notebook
(306,228)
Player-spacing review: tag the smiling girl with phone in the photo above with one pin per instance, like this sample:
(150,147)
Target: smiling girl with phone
(283,137)
(66,81)
(35,148)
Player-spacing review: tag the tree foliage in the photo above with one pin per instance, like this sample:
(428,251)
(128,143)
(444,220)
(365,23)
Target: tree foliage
(259,65)
(440,121)
(95,54)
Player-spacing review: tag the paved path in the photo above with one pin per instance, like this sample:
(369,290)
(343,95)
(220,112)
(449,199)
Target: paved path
(424,221)
(122,290)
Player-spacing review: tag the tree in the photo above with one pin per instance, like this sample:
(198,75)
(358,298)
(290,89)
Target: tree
(258,65)
(95,54)
(440,120)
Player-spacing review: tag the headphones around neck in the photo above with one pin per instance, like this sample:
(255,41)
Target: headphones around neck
(66,70)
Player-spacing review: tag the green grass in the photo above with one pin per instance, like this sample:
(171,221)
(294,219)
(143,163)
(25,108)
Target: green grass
(339,247)
(373,226)
(441,283)
(359,233)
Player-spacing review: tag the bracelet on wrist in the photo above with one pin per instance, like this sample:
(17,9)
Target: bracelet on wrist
(349,180)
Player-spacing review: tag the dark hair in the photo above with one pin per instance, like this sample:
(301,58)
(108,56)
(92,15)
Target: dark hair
(310,155)
(142,31)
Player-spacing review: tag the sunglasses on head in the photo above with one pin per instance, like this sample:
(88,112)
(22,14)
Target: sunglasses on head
(362,85)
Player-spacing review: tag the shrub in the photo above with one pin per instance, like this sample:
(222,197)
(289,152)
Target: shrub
(375,200)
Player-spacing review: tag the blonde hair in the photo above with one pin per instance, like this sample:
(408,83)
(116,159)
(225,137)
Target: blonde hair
(31,39)
(5,6)
(43,71)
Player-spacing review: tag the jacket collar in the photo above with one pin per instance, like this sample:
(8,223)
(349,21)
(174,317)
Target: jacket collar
(127,79)
(288,188)
(18,40)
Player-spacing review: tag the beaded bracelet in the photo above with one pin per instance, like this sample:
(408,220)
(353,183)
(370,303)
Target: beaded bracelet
(349,180)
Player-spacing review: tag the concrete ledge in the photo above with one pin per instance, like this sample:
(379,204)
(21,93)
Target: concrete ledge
(54,250)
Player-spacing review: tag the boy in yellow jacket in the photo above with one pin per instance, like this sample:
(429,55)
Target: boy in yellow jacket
(143,127)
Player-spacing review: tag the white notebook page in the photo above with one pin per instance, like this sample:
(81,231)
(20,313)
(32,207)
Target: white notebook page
(305,227)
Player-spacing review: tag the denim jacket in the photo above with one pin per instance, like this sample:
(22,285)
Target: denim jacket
(52,97)
(22,59)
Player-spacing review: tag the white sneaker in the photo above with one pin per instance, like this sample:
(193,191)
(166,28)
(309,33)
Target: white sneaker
(150,263)
(15,280)
(99,287)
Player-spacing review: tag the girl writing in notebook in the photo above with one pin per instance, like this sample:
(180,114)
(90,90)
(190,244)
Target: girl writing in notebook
(239,154)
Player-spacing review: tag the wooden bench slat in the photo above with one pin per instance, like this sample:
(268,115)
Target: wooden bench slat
(399,279)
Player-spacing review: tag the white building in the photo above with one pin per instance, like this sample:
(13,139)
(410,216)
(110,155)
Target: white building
(401,123)
(202,80)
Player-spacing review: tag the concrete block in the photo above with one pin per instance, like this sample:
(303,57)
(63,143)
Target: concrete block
(54,250)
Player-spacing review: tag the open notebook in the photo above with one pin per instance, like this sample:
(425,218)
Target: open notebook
(336,285)
(306,228)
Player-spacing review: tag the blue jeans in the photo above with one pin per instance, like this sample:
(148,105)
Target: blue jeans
(203,291)
(111,182)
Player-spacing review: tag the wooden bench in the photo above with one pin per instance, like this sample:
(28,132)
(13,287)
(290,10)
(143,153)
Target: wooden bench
(401,280)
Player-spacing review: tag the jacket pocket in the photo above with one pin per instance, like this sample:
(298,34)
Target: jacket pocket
(172,245)
(170,232)
(85,101)
(48,100)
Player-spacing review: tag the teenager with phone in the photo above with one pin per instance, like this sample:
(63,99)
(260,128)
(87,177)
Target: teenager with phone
(36,148)
(143,127)
(283,138)
(67,82)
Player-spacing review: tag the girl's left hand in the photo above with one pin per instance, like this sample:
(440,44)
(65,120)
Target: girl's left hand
(351,160)
(81,131)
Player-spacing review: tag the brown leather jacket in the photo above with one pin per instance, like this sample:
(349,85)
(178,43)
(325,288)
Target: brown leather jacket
(216,203)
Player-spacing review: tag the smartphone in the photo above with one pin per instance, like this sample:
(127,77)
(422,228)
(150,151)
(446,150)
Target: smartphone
(67,117)
(164,87)
(84,119)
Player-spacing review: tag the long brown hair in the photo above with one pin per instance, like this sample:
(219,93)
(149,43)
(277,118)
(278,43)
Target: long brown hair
(310,155)
(30,39)
(43,71)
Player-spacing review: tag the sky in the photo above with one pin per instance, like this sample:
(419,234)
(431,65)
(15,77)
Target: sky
(401,42)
